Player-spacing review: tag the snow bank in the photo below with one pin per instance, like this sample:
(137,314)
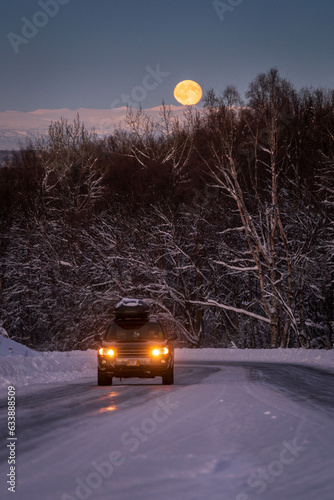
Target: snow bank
(9,347)
(314,357)
(20,365)
(46,367)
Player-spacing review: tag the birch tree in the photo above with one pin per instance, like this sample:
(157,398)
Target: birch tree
(260,208)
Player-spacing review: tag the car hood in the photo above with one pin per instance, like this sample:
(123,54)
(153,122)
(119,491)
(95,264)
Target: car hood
(129,342)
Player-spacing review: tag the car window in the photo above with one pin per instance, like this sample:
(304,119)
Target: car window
(127,330)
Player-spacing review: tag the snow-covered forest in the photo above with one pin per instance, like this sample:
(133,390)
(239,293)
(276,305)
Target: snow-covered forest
(223,220)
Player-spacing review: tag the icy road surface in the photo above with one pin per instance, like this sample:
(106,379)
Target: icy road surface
(225,430)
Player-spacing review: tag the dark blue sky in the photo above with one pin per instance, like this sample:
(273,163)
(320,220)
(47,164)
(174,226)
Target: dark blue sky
(95,53)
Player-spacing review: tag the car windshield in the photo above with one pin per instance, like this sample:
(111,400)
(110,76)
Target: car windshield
(137,330)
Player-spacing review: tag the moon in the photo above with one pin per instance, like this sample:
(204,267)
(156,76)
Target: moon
(188,92)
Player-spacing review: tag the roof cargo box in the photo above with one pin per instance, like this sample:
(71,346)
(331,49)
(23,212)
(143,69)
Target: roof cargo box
(131,308)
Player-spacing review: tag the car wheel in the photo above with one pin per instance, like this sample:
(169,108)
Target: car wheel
(103,378)
(168,379)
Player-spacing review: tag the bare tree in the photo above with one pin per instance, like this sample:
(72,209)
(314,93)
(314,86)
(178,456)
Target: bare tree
(263,228)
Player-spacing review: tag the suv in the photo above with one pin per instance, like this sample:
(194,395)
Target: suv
(135,345)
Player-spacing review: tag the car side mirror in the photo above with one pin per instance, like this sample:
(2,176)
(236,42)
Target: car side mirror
(173,336)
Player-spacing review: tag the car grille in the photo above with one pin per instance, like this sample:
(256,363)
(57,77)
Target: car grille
(133,351)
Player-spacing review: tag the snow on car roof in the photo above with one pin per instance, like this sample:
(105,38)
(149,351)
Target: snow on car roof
(130,302)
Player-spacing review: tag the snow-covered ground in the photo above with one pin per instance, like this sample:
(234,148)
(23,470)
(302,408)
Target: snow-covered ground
(237,425)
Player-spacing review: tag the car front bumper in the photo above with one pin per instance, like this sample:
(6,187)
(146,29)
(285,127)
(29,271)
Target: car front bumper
(135,367)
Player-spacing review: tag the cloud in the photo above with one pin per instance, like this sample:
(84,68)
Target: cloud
(16,126)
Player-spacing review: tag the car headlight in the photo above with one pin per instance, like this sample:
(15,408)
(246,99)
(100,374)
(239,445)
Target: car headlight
(158,351)
(106,351)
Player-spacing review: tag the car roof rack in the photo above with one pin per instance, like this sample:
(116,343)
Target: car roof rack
(131,308)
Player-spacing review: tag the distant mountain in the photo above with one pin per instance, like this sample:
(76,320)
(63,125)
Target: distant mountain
(17,126)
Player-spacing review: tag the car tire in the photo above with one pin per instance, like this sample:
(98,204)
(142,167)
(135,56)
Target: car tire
(103,378)
(168,378)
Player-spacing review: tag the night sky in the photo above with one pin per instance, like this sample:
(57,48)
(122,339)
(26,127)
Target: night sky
(109,53)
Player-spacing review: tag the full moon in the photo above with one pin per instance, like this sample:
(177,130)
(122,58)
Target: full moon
(188,92)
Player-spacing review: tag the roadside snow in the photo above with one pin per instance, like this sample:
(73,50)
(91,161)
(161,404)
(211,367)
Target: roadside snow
(23,366)
(319,358)
(20,365)
(8,347)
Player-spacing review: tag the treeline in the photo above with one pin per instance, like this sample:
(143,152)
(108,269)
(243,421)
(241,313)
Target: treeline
(223,220)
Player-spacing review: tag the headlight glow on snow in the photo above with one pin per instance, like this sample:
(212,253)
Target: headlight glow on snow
(160,350)
(105,351)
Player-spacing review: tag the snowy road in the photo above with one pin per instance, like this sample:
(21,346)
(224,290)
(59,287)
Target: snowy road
(225,430)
